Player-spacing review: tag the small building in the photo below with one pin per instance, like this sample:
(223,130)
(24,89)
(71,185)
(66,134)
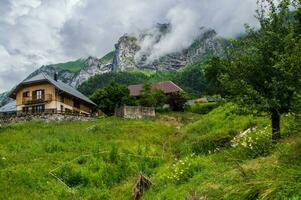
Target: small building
(43,94)
(168,87)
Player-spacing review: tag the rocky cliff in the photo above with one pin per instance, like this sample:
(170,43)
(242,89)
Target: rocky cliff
(138,52)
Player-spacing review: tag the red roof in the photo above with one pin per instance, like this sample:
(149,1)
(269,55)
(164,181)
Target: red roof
(166,86)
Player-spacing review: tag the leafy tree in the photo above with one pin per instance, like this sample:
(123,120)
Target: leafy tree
(192,79)
(160,97)
(147,99)
(263,69)
(177,101)
(112,96)
(152,97)
(215,68)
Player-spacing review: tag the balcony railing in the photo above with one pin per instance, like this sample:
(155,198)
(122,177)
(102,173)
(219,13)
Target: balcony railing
(37,99)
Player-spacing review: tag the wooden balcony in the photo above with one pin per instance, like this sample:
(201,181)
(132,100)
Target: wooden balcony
(37,99)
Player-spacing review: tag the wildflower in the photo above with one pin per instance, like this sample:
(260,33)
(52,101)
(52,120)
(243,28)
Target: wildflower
(244,144)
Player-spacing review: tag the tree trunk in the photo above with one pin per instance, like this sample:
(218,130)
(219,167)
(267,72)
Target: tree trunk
(275,125)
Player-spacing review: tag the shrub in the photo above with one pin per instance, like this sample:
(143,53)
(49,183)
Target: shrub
(204,108)
(255,144)
(177,101)
(211,144)
(112,96)
(146,165)
(184,169)
(152,97)
(72,177)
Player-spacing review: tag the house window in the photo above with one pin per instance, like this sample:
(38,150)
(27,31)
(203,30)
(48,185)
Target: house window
(25,109)
(38,109)
(26,94)
(68,110)
(38,94)
(76,104)
(62,108)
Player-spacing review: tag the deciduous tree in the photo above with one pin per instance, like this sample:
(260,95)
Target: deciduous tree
(264,69)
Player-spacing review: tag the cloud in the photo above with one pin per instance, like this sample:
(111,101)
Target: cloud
(184,29)
(37,32)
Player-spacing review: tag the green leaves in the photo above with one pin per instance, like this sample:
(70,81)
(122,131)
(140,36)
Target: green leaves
(112,96)
(262,71)
(152,97)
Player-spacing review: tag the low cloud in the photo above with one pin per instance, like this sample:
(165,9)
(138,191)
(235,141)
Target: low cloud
(182,31)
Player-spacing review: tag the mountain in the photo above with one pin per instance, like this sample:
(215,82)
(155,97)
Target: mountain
(131,53)
(136,52)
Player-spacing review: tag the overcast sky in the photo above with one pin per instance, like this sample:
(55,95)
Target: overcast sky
(40,32)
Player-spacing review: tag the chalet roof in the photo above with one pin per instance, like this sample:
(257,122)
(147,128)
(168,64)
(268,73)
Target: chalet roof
(9,108)
(166,86)
(58,84)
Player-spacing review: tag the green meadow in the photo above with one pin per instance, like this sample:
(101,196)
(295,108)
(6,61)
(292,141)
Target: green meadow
(185,155)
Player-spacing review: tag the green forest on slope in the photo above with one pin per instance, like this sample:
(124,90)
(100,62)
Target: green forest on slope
(191,79)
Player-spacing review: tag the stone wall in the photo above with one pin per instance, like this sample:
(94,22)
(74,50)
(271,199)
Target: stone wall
(43,117)
(135,112)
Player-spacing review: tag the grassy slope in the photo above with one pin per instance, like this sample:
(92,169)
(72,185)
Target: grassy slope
(28,151)
(72,66)
(108,58)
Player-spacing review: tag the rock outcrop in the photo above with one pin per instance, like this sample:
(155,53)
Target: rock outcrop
(91,67)
(135,52)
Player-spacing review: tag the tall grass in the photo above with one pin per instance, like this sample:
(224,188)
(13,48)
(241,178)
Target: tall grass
(182,153)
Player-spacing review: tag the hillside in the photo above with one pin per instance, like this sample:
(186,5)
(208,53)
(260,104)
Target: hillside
(184,154)
(72,66)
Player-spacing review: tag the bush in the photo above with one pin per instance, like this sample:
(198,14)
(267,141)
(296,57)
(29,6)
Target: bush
(72,177)
(184,169)
(112,96)
(146,165)
(254,144)
(203,109)
(152,97)
(211,144)
(177,101)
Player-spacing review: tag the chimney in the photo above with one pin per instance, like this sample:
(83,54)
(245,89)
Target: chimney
(55,76)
